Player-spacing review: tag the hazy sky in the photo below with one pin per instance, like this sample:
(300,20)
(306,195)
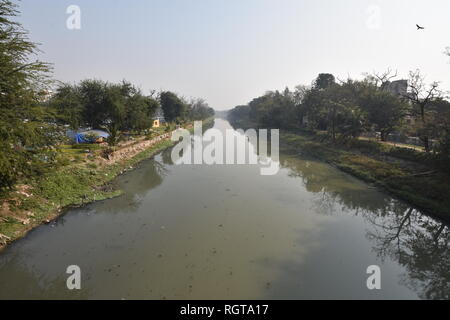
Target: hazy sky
(230,51)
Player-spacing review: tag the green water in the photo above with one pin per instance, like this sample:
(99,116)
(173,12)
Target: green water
(226,232)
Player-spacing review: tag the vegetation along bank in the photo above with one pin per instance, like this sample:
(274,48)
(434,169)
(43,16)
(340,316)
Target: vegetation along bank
(85,178)
(394,135)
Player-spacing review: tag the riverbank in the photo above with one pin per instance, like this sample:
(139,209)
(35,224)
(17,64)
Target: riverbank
(86,178)
(404,173)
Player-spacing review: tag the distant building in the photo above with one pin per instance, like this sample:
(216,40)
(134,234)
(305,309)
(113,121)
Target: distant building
(158,118)
(398,88)
(156,123)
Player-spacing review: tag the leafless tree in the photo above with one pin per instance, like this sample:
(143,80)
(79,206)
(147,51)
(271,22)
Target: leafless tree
(384,78)
(300,93)
(422,96)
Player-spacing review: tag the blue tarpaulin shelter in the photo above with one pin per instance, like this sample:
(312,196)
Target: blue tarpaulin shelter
(88,136)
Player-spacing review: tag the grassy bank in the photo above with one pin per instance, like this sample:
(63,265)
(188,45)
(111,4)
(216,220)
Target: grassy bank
(404,173)
(83,179)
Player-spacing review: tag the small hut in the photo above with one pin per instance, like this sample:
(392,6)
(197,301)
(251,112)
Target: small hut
(158,122)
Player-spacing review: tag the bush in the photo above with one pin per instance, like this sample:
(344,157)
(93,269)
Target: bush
(443,150)
(92,165)
(106,153)
(63,160)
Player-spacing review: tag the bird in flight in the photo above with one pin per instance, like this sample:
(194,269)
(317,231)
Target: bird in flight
(419,27)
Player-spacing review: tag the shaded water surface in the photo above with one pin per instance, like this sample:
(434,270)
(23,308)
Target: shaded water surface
(207,232)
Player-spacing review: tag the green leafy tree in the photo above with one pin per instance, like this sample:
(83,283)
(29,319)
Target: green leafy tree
(173,107)
(240,116)
(68,105)
(94,94)
(331,108)
(98,104)
(114,108)
(140,111)
(199,110)
(384,110)
(324,81)
(24,132)
(443,146)
(318,106)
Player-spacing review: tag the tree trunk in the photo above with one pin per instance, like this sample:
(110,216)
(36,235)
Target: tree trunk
(333,124)
(426,140)
(426,144)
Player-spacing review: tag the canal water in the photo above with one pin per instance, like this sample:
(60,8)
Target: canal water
(227,232)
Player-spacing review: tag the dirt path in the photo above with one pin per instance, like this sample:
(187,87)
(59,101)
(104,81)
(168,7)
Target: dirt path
(394,144)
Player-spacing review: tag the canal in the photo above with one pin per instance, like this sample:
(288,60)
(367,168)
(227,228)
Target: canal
(227,232)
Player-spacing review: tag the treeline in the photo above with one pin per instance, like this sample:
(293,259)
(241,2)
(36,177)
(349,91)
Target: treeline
(32,123)
(24,141)
(347,109)
(120,107)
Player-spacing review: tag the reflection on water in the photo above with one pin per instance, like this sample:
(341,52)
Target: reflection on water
(396,231)
(205,232)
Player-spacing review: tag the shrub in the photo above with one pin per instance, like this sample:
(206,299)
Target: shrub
(92,165)
(443,150)
(107,152)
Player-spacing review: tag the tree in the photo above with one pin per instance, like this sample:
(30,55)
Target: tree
(173,107)
(139,109)
(68,105)
(324,81)
(199,110)
(321,104)
(382,79)
(443,147)
(94,94)
(385,111)
(98,104)
(335,108)
(422,97)
(311,103)
(274,110)
(441,130)
(239,116)
(24,136)
(114,106)
(298,97)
